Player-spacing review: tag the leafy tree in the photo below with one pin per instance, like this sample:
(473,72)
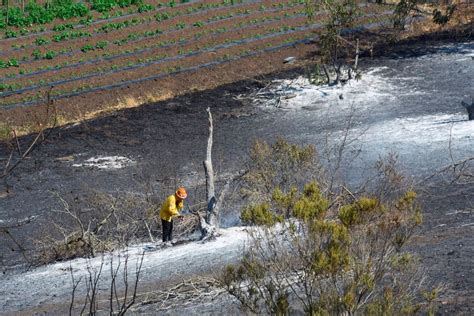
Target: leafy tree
(341,16)
(406,7)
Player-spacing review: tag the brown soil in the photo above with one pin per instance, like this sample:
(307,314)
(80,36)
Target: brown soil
(174,50)
(154,41)
(112,35)
(89,105)
(93,104)
(169,66)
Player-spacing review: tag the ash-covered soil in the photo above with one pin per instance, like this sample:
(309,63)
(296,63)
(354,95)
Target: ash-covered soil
(408,102)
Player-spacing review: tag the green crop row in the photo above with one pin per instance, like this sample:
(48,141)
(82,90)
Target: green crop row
(98,45)
(65,9)
(136,36)
(35,13)
(118,25)
(67,35)
(107,5)
(10,63)
(244,52)
(64,36)
(181,51)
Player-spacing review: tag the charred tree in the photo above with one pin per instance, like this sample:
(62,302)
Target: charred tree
(470,109)
(210,222)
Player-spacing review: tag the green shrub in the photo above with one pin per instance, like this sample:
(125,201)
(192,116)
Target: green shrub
(17,18)
(325,250)
(36,54)
(180,25)
(13,63)
(86,48)
(10,63)
(358,257)
(107,5)
(41,41)
(70,10)
(10,34)
(144,7)
(260,215)
(63,27)
(40,14)
(101,45)
(162,16)
(49,54)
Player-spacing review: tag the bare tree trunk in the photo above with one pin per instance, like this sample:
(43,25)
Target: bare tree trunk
(210,222)
(326,72)
(337,69)
(356,62)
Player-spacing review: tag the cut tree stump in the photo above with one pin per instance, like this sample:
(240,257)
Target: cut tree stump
(470,109)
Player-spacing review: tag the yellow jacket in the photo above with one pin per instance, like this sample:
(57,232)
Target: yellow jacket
(170,208)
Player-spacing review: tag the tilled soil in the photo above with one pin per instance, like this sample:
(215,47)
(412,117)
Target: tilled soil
(87,76)
(106,68)
(84,105)
(167,26)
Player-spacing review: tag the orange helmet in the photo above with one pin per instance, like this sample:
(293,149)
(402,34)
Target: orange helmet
(181,193)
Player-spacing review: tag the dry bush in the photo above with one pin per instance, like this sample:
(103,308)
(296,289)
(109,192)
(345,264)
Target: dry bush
(102,222)
(117,294)
(281,165)
(328,252)
(15,150)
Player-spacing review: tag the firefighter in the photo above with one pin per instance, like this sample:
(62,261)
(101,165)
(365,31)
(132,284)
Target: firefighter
(170,208)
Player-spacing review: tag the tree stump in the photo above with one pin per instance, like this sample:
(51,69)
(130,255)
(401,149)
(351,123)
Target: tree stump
(470,109)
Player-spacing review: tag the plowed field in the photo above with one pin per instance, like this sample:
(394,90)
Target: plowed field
(149,56)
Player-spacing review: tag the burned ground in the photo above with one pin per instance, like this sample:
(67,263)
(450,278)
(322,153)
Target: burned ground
(410,105)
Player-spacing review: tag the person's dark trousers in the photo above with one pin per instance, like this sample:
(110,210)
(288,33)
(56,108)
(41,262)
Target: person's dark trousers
(167,230)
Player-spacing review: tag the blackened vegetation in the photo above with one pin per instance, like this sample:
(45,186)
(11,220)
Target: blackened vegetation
(470,109)
(16,151)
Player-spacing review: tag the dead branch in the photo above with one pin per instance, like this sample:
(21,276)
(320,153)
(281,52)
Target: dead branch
(127,303)
(74,288)
(458,170)
(186,293)
(37,141)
